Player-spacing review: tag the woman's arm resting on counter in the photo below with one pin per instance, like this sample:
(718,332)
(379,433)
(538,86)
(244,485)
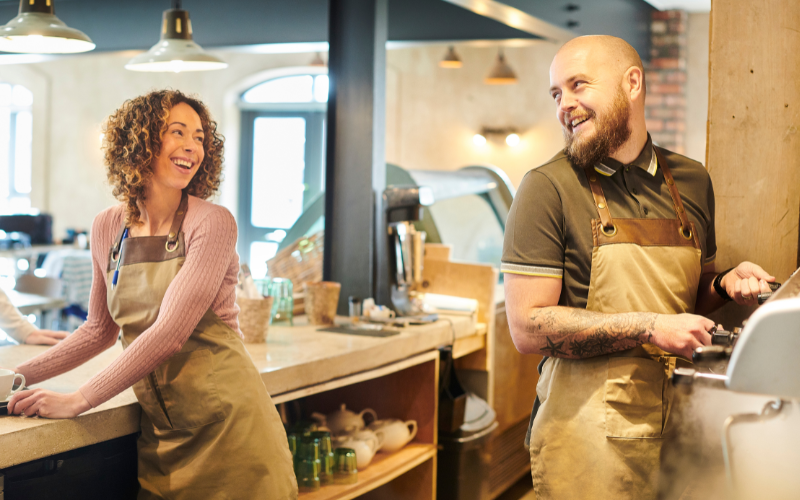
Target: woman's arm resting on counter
(47,404)
(540,326)
(45,337)
(93,337)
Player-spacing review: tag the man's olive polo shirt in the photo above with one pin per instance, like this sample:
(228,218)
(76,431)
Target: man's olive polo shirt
(548,230)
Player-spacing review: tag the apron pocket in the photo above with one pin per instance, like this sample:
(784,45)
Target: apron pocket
(189,390)
(633,399)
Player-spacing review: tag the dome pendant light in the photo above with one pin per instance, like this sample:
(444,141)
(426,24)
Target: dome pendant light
(318,61)
(451,59)
(36,30)
(177,51)
(501,73)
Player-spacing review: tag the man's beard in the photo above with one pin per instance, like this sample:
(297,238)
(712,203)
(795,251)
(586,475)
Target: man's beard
(611,132)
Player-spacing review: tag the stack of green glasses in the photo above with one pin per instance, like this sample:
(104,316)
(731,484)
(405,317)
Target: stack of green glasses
(307,463)
(326,456)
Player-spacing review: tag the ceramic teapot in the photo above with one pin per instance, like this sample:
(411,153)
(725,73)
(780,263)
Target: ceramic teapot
(365,448)
(366,435)
(343,420)
(395,433)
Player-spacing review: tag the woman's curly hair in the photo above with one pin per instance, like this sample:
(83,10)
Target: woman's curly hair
(132,142)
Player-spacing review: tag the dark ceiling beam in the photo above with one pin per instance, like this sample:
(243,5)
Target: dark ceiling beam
(517,19)
(114,25)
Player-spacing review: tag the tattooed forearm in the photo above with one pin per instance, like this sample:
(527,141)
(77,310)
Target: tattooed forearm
(566,332)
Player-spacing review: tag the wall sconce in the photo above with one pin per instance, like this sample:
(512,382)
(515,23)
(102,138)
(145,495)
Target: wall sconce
(508,134)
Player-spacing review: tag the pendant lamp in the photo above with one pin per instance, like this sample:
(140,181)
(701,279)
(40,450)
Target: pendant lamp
(318,61)
(451,59)
(176,51)
(501,73)
(36,30)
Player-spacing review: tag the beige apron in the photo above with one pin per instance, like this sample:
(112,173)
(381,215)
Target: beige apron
(209,428)
(602,420)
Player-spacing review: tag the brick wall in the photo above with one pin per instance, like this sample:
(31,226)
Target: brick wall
(665,74)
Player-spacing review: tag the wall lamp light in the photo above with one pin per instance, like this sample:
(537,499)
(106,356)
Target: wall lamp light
(509,134)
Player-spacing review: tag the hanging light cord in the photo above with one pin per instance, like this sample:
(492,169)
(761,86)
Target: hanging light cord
(176,4)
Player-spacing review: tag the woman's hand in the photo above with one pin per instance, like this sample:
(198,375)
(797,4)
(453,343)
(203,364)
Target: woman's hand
(47,404)
(45,337)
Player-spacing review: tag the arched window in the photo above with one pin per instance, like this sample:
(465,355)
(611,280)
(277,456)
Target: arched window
(282,160)
(16,139)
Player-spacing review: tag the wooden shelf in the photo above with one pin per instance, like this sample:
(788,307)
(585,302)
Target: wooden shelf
(384,468)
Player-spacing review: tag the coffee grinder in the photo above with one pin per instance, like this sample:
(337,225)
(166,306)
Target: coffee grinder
(403,205)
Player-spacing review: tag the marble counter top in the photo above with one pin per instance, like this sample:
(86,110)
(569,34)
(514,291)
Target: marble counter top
(293,358)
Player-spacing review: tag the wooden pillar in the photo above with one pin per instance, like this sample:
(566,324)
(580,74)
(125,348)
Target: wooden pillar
(355,159)
(753,152)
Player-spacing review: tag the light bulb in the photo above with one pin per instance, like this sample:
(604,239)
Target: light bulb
(512,140)
(478,140)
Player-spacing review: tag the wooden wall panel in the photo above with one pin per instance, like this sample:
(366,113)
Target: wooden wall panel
(753,153)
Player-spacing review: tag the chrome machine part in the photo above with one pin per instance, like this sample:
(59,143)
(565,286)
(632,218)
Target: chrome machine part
(770,410)
(689,376)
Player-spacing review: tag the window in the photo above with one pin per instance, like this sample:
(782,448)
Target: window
(16,138)
(282,162)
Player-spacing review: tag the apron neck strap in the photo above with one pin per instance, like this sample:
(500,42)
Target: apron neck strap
(118,239)
(174,230)
(599,198)
(177,221)
(602,205)
(673,192)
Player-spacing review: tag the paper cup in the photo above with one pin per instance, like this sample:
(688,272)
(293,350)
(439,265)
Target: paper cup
(321,301)
(254,316)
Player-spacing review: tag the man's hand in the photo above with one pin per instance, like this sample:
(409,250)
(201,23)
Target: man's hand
(745,282)
(681,333)
(47,404)
(45,337)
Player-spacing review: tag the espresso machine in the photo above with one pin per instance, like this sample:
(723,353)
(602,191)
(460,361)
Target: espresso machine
(403,205)
(741,400)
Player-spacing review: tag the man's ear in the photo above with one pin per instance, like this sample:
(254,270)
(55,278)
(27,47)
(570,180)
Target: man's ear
(634,78)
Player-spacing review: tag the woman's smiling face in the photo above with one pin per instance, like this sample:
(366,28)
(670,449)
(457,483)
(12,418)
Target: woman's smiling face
(181,148)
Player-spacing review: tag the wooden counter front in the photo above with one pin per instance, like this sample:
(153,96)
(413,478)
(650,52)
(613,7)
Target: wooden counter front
(292,362)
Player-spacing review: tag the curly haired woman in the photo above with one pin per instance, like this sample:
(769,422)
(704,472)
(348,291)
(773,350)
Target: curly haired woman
(165,270)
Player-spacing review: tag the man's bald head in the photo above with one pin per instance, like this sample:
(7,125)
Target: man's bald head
(597,83)
(612,52)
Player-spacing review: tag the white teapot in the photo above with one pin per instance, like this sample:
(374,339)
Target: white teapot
(365,448)
(343,420)
(395,433)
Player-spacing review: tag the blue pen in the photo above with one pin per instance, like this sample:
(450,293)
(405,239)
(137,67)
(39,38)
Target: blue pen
(119,260)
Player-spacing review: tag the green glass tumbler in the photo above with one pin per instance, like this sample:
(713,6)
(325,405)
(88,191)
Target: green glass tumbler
(283,305)
(325,455)
(292,443)
(345,466)
(307,472)
(307,464)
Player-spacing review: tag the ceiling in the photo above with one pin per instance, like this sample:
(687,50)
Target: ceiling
(627,19)
(114,25)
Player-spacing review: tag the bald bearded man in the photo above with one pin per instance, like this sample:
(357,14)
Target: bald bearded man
(609,264)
